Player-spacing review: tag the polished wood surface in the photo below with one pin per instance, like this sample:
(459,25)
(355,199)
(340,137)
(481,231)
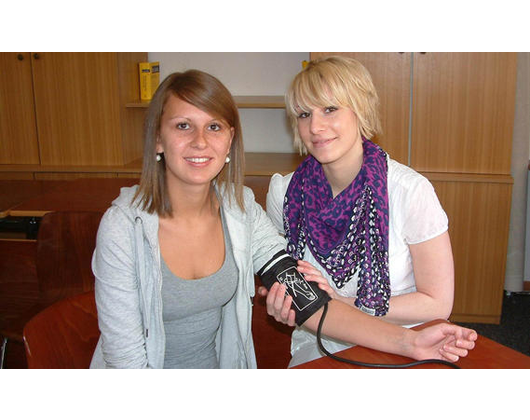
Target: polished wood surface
(64,335)
(83,194)
(487,354)
(14,192)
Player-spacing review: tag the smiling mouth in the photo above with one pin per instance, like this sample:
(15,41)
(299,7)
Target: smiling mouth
(322,143)
(197,160)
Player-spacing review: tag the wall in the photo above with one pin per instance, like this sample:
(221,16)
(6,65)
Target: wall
(247,73)
(515,262)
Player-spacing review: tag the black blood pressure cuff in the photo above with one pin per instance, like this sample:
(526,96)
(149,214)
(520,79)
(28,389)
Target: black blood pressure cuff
(307,298)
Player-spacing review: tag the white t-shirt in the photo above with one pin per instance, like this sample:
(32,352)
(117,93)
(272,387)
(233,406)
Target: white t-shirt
(415,216)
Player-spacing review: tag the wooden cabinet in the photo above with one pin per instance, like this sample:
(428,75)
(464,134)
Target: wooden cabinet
(69,108)
(478,208)
(450,117)
(462,113)
(18,135)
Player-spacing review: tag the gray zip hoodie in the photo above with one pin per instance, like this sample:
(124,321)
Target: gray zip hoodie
(126,264)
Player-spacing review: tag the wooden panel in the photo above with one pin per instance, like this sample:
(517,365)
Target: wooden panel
(463,111)
(260,187)
(266,164)
(18,133)
(260,101)
(72,175)
(16,175)
(391,76)
(77,108)
(479,217)
(18,275)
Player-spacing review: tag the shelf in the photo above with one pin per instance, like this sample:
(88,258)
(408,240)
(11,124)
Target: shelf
(257,164)
(273,102)
(260,101)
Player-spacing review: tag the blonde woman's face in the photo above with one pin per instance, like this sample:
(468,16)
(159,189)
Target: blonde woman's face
(330,134)
(195,144)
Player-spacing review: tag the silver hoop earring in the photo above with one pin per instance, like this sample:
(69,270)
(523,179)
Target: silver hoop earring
(227,160)
(158,157)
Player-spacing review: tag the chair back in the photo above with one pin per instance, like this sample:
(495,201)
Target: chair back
(64,335)
(65,244)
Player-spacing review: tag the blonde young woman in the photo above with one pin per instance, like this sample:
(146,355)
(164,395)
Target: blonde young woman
(374,227)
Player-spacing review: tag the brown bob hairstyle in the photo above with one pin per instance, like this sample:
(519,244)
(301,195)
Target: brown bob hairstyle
(207,93)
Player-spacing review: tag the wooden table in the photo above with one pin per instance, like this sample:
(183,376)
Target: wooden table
(83,194)
(487,354)
(13,193)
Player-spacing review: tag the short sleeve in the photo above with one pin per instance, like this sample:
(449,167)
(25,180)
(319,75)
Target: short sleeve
(418,213)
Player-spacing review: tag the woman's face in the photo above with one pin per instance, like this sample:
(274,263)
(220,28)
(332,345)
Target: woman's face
(195,144)
(330,134)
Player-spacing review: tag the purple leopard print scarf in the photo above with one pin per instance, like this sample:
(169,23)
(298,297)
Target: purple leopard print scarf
(347,234)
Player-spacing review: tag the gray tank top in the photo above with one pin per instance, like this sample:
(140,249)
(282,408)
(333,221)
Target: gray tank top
(192,312)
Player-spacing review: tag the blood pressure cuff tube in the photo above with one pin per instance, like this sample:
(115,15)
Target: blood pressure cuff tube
(307,297)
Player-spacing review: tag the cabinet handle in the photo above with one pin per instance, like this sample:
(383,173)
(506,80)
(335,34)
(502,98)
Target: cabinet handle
(423,53)
(20,57)
(36,56)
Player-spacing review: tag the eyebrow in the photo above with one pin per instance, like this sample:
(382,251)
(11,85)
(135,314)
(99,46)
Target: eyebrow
(178,116)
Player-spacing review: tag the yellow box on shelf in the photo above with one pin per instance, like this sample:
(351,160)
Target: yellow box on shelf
(149,79)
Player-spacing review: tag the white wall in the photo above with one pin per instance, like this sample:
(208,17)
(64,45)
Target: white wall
(247,73)
(515,261)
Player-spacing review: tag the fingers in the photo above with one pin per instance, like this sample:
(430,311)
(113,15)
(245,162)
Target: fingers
(453,351)
(279,304)
(463,338)
(262,291)
(308,270)
(458,342)
(312,274)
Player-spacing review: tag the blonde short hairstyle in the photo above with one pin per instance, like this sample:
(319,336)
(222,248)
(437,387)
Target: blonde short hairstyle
(207,93)
(334,81)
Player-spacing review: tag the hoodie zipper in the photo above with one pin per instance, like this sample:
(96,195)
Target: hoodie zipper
(139,236)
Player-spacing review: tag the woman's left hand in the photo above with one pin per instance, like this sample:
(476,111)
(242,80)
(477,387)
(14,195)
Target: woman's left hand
(312,274)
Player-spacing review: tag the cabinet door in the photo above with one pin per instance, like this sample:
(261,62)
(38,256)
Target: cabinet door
(391,76)
(77,108)
(18,135)
(463,111)
(479,218)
